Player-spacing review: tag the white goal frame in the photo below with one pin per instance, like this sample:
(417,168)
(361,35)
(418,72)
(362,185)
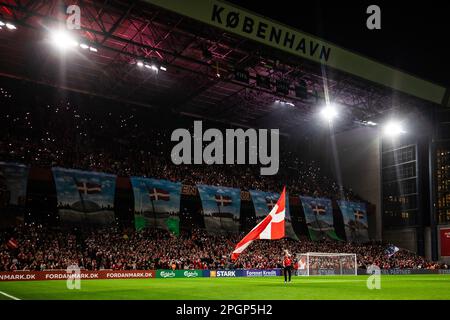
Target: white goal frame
(323,254)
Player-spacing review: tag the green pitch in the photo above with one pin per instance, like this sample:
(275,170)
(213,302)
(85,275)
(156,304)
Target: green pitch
(331,287)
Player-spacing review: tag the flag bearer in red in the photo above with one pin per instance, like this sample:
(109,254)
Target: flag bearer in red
(287,266)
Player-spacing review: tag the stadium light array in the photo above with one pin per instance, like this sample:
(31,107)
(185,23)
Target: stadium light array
(393,128)
(282,102)
(63,40)
(85,46)
(7,25)
(329,112)
(367,123)
(153,67)
(10,26)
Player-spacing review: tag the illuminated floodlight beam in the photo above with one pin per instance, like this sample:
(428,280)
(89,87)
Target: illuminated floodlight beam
(11,26)
(329,112)
(393,128)
(63,40)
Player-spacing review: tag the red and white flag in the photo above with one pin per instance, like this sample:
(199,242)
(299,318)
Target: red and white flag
(271,227)
(157,194)
(12,244)
(86,188)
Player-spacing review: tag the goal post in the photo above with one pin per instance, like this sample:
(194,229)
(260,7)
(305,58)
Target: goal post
(319,263)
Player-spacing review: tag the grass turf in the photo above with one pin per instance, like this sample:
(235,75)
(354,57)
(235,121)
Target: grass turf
(272,288)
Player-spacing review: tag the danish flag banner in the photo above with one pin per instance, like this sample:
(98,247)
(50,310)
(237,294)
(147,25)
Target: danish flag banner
(156,203)
(221,208)
(271,227)
(85,196)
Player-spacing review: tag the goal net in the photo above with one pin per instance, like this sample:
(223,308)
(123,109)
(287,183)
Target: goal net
(318,263)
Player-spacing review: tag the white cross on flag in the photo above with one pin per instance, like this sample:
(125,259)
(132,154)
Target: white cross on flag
(159,194)
(271,227)
(359,214)
(88,188)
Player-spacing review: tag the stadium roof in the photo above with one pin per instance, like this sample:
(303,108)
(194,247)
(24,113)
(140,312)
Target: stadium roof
(202,55)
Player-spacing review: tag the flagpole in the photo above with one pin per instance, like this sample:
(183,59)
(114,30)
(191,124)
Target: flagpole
(220,214)
(356,233)
(153,208)
(153,205)
(141,211)
(81,198)
(317,222)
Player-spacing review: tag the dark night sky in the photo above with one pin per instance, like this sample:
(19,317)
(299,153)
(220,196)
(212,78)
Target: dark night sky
(414,35)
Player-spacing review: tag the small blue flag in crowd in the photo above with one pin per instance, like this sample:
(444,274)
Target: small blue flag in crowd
(391,250)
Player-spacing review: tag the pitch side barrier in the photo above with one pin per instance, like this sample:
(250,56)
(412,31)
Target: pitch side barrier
(134,274)
(407,271)
(218,273)
(165,274)
(83,275)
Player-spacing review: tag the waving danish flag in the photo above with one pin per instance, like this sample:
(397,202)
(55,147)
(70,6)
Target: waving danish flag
(271,227)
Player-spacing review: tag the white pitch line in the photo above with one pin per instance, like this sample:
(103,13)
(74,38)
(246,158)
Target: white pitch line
(9,296)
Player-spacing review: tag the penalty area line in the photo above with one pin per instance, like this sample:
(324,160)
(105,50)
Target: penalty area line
(9,296)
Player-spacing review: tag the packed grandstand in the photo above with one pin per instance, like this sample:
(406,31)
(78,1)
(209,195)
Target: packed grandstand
(46,128)
(39,248)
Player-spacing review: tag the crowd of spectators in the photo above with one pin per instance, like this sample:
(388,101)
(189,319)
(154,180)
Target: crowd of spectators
(47,128)
(40,248)
(51,129)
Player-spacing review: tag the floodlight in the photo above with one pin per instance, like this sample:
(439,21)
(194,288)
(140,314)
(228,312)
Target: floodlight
(329,112)
(11,26)
(393,128)
(63,40)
